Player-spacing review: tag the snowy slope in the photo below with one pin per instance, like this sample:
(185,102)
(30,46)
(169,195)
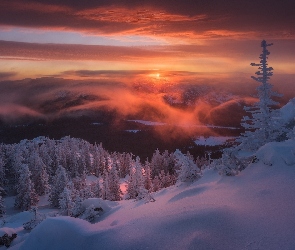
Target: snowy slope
(288,111)
(254,210)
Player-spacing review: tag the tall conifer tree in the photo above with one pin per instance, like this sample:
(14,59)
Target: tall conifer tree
(263,125)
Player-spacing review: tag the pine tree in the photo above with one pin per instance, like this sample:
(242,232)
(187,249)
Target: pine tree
(60,182)
(2,171)
(39,177)
(156,163)
(264,124)
(135,186)
(26,196)
(125,163)
(148,184)
(66,203)
(156,184)
(46,158)
(2,207)
(105,193)
(230,164)
(86,192)
(77,208)
(96,189)
(114,184)
(189,171)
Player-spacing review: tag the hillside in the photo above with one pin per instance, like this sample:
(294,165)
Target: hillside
(254,210)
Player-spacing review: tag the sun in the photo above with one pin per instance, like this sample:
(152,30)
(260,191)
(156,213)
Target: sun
(155,75)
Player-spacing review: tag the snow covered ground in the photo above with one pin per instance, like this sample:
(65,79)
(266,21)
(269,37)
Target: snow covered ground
(132,130)
(148,123)
(254,210)
(188,125)
(213,140)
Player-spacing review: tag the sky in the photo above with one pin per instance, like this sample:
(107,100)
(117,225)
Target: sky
(152,42)
(61,38)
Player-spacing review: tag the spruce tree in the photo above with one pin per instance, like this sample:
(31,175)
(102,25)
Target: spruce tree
(135,185)
(39,177)
(114,184)
(105,194)
(188,169)
(148,184)
(60,182)
(26,196)
(263,125)
(2,207)
(66,203)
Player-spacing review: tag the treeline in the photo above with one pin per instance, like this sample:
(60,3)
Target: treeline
(33,168)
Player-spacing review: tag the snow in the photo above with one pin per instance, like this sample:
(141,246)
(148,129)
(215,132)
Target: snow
(153,123)
(148,123)
(132,130)
(90,179)
(254,210)
(288,111)
(97,203)
(213,140)
(7,230)
(277,153)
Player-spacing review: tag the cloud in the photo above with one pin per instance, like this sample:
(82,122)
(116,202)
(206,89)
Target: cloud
(209,101)
(35,51)
(13,112)
(5,75)
(210,19)
(106,73)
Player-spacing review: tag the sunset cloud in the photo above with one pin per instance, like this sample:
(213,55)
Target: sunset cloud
(75,52)
(211,19)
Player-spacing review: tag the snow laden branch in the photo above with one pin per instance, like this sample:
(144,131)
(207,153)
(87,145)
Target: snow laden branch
(263,124)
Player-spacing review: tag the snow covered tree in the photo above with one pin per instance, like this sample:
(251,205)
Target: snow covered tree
(148,184)
(77,208)
(156,163)
(135,185)
(114,184)
(59,183)
(86,192)
(39,176)
(189,170)
(105,192)
(96,188)
(66,203)
(125,163)
(90,213)
(230,164)
(3,180)
(26,196)
(156,184)
(264,125)
(2,207)
(46,157)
